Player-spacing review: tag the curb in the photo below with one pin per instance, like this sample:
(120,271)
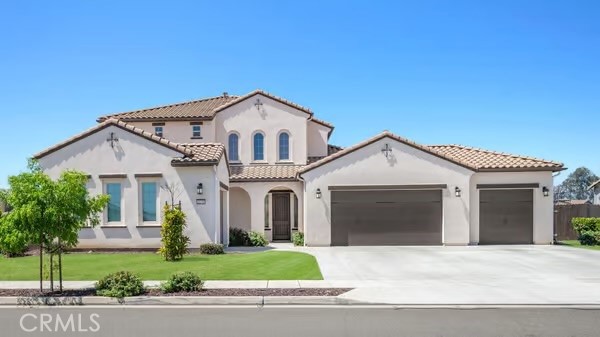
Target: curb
(175,300)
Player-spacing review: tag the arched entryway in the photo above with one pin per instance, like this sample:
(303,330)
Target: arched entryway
(281,213)
(240,210)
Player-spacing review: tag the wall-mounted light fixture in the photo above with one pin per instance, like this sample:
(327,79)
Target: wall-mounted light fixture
(545,191)
(199,189)
(318,193)
(457,192)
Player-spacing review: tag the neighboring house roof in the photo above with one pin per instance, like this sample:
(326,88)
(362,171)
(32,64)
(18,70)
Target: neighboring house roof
(470,158)
(331,149)
(193,154)
(203,154)
(484,160)
(249,173)
(572,202)
(594,184)
(205,108)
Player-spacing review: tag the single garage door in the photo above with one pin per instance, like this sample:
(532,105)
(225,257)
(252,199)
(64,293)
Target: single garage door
(506,216)
(386,217)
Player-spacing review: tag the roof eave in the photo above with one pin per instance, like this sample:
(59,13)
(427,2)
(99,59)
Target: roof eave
(522,169)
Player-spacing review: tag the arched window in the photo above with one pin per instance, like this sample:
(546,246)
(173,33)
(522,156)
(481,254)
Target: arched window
(233,147)
(284,146)
(259,146)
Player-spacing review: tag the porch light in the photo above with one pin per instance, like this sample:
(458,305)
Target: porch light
(318,193)
(199,188)
(457,192)
(545,191)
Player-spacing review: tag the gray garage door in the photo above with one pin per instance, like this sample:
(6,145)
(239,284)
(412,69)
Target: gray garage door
(506,216)
(391,217)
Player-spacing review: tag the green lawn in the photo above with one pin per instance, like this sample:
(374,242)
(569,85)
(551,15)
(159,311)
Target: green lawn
(235,266)
(575,243)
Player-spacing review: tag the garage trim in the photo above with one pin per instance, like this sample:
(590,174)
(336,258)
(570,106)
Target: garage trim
(387,187)
(500,186)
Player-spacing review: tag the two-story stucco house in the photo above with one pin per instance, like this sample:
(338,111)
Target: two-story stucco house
(262,163)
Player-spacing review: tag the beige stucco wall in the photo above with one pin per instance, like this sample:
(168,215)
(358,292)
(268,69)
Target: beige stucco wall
(406,166)
(274,117)
(543,207)
(317,138)
(132,155)
(181,131)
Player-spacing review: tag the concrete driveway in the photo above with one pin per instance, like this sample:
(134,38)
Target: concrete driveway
(464,275)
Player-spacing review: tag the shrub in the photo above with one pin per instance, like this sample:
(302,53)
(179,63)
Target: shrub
(238,237)
(298,239)
(257,239)
(588,230)
(211,249)
(182,281)
(120,284)
(174,242)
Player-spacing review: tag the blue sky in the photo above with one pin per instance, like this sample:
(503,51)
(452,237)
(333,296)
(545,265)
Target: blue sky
(512,76)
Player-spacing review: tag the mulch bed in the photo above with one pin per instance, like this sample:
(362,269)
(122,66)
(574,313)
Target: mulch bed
(206,292)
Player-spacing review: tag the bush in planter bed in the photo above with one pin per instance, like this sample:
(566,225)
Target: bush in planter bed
(238,237)
(182,282)
(257,239)
(211,249)
(588,230)
(120,284)
(298,239)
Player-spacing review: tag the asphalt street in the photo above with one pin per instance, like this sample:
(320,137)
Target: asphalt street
(298,321)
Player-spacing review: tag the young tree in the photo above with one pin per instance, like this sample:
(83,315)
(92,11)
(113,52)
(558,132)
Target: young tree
(575,186)
(52,212)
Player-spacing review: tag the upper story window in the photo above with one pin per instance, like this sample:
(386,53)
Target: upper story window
(284,146)
(233,147)
(113,211)
(196,131)
(158,130)
(259,146)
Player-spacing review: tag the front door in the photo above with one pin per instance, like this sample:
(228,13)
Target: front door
(281,216)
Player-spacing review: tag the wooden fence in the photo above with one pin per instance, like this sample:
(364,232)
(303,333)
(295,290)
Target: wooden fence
(563,215)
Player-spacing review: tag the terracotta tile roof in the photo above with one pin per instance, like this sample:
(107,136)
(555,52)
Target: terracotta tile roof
(243,173)
(202,153)
(482,160)
(470,158)
(120,124)
(264,93)
(322,122)
(564,202)
(202,108)
(594,184)
(331,149)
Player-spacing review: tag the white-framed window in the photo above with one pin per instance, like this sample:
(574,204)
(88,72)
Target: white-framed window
(149,201)
(158,130)
(114,209)
(233,143)
(258,146)
(196,131)
(283,143)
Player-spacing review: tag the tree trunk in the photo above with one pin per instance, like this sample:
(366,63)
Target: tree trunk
(51,271)
(41,264)
(60,277)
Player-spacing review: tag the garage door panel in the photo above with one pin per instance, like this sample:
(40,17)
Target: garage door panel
(404,218)
(506,217)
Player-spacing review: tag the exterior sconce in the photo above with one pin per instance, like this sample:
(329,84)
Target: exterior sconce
(457,192)
(199,189)
(318,193)
(545,191)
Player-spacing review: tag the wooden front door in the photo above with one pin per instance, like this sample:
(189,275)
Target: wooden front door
(281,216)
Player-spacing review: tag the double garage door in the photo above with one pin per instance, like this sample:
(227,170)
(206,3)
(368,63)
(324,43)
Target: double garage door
(386,217)
(414,217)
